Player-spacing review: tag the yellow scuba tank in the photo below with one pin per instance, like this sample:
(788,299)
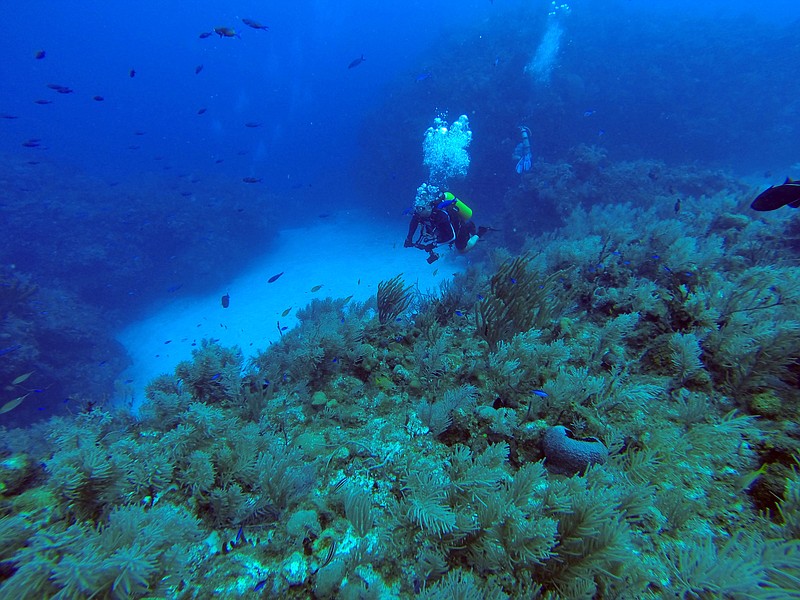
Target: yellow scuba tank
(464,211)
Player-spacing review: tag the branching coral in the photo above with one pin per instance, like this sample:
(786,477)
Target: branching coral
(393,299)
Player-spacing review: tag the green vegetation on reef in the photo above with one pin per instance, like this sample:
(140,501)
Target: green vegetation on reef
(394,451)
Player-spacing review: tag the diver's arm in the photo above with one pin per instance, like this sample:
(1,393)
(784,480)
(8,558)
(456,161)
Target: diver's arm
(412,228)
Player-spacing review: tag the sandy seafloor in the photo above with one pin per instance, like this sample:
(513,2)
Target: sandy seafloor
(346,254)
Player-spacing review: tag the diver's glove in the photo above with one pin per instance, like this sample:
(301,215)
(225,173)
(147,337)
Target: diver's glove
(408,243)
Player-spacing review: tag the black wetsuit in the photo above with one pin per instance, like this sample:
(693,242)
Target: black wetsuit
(443,226)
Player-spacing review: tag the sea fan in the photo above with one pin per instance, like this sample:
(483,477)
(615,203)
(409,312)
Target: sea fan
(685,354)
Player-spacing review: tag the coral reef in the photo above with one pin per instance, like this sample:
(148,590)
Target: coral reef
(403,451)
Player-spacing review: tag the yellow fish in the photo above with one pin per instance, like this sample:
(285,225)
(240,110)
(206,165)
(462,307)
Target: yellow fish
(286,312)
(21,378)
(316,288)
(12,404)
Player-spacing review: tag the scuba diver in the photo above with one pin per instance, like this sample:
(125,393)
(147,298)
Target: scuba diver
(522,153)
(441,219)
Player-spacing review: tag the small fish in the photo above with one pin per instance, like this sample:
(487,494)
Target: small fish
(31,144)
(10,349)
(215,377)
(459,313)
(435,271)
(202,111)
(205,35)
(252,124)
(540,393)
(588,113)
(777,196)
(167,342)
(138,132)
(228,32)
(274,278)
(422,76)
(12,404)
(260,585)
(8,116)
(255,24)
(219,161)
(98,98)
(226,301)
(197,69)
(42,101)
(346,300)
(240,536)
(39,54)
(286,312)
(57,87)
(22,378)
(677,206)
(339,484)
(355,62)
(513,280)
(252,179)
(132,73)
(316,288)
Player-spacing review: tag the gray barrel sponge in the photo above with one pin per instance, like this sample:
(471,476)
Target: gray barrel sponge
(568,455)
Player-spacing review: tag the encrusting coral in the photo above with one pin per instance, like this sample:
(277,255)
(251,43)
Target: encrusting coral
(402,456)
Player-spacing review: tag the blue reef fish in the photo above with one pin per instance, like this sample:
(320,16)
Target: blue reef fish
(355,62)
(540,393)
(274,278)
(252,179)
(8,349)
(260,585)
(776,196)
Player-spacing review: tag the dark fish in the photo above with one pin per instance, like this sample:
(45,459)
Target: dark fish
(42,101)
(98,98)
(31,144)
(58,87)
(138,132)
(255,24)
(776,196)
(260,585)
(251,179)
(219,160)
(202,111)
(39,54)
(205,34)
(356,62)
(677,206)
(226,301)
(316,288)
(197,69)
(252,124)
(286,312)
(7,116)
(132,73)
(226,32)
(274,278)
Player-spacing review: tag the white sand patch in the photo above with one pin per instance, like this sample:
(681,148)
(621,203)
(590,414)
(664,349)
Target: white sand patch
(346,254)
